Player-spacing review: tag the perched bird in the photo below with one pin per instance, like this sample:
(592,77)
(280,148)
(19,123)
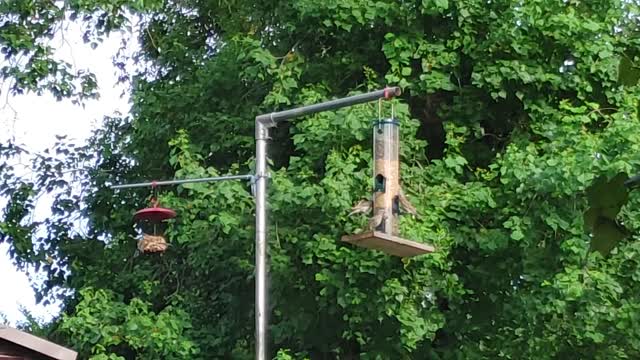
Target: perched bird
(141,245)
(405,204)
(362,207)
(376,219)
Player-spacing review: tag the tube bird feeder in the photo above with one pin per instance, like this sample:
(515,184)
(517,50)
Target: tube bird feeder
(388,198)
(387,177)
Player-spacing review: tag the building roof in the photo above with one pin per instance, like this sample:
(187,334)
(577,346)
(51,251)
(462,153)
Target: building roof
(36,344)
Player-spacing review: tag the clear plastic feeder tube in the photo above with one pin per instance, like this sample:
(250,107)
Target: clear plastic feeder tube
(386,146)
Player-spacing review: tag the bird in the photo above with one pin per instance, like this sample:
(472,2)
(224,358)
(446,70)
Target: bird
(406,205)
(362,207)
(376,219)
(141,245)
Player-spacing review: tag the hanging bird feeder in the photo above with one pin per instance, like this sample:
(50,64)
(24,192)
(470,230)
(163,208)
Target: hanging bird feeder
(388,198)
(151,221)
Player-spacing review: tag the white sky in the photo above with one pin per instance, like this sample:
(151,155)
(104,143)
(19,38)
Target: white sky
(34,121)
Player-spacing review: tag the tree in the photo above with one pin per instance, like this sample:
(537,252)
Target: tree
(511,111)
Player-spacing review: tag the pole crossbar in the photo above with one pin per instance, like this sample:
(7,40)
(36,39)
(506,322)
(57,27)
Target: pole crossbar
(272,119)
(184,181)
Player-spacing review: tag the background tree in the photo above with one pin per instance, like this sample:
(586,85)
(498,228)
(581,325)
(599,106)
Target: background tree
(510,111)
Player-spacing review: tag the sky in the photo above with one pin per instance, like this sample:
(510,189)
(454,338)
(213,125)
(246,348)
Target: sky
(34,121)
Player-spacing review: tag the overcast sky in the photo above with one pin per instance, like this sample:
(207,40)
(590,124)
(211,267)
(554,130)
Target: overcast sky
(35,121)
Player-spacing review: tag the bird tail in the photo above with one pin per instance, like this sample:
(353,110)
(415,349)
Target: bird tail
(406,204)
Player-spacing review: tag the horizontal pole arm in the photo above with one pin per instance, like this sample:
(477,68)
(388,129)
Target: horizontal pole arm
(184,181)
(272,119)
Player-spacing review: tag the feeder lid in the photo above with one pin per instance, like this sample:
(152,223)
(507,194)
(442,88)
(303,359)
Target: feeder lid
(154,214)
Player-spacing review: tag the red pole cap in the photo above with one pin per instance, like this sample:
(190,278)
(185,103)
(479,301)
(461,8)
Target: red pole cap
(392,92)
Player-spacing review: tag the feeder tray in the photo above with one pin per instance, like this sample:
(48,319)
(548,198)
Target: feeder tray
(388,243)
(152,244)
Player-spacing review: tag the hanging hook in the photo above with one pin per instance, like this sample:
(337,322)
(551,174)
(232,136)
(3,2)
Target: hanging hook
(154,193)
(380,121)
(393,111)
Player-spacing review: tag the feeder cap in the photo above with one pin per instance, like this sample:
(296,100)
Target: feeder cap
(154,214)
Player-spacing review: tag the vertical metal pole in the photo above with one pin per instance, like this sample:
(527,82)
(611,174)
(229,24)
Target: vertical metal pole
(261,306)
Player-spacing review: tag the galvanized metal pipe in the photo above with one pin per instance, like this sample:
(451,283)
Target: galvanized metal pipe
(261,295)
(274,118)
(183,181)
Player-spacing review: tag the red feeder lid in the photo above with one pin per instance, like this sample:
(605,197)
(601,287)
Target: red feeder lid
(154,214)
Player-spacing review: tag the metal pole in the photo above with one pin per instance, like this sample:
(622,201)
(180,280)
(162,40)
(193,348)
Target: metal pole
(263,123)
(184,181)
(273,118)
(261,305)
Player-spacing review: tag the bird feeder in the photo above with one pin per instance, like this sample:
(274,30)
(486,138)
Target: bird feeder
(151,221)
(388,198)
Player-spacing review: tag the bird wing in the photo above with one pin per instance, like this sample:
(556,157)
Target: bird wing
(376,219)
(363,206)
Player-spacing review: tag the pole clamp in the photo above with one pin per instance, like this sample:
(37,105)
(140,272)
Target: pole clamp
(254,178)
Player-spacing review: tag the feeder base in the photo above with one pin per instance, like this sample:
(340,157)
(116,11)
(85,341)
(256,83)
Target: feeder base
(389,244)
(152,244)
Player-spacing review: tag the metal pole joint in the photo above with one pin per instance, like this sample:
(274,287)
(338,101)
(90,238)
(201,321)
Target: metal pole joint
(262,129)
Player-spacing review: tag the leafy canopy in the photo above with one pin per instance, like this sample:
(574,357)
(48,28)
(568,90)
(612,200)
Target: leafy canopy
(511,112)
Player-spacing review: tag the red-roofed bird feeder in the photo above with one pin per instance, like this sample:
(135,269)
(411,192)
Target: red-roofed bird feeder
(151,221)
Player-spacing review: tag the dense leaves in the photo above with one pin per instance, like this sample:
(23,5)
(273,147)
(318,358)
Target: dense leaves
(511,113)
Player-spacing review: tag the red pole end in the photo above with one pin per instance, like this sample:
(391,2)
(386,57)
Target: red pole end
(391,92)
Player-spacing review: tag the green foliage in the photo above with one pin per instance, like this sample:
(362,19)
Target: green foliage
(102,324)
(512,112)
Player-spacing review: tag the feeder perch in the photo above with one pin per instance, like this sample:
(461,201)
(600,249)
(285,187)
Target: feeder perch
(151,221)
(388,197)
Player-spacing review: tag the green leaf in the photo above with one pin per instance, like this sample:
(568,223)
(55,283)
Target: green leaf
(628,73)
(517,235)
(591,25)
(442,4)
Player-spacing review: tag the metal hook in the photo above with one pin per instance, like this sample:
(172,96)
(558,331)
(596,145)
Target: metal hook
(154,193)
(380,121)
